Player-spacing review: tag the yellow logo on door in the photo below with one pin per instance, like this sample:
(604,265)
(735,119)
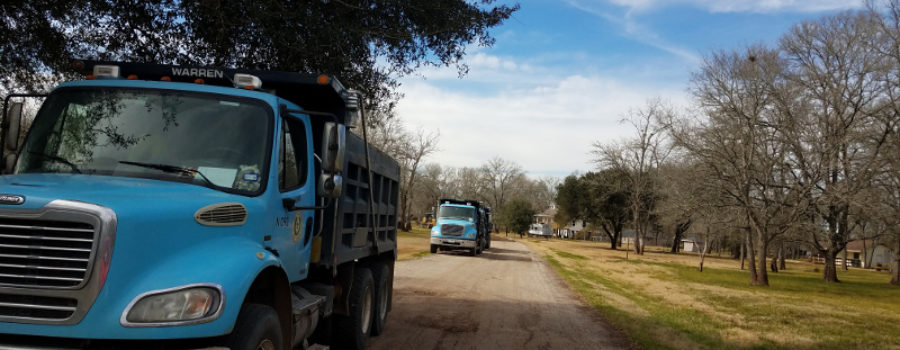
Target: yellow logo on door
(297,229)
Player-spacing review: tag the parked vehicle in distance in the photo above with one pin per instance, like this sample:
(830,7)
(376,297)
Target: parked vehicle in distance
(194,207)
(540,230)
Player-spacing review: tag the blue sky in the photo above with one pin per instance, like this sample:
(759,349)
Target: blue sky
(562,74)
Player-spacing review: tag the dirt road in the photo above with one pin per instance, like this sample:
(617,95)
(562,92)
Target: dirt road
(506,298)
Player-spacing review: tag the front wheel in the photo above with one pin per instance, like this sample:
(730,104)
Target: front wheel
(433,249)
(257,328)
(352,331)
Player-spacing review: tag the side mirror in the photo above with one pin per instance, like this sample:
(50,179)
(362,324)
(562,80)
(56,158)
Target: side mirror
(333,142)
(331,185)
(14,121)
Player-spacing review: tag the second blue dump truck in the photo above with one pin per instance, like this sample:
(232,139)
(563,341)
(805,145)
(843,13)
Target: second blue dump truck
(461,225)
(170,207)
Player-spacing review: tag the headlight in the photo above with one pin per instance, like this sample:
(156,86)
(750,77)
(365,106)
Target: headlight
(435,232)
(190,304)
(470,235)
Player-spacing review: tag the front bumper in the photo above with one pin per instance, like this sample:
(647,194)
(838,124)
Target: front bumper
(460,243)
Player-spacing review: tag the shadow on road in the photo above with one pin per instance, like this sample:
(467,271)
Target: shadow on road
(507,254)
(508,251)
(429,319)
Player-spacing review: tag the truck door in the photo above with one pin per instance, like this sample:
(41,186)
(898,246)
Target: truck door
(295,182)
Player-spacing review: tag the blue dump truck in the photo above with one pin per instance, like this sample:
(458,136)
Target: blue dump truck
(461,225)
(166,207)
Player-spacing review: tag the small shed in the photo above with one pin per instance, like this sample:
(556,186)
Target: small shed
(691,245)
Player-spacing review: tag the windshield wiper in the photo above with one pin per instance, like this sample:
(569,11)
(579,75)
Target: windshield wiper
(57,159)
(173,169)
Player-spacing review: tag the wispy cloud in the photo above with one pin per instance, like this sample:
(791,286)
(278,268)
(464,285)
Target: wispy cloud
(633,29)
(753,6)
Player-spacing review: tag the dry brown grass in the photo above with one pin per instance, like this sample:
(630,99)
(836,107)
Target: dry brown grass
(661,301)
(413,244)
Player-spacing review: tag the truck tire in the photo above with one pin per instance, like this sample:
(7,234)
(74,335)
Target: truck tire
(473,252)
(487,245)
(433,249)
(257,327)
(352,331)
(383,294)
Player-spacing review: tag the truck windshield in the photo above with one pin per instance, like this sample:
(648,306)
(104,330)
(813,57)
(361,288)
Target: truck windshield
(457,213)
(211,140)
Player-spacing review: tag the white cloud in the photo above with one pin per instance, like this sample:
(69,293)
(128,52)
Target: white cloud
(755,6)
(544,121)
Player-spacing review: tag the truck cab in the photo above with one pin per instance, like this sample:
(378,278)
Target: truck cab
(460,225)
(189,207)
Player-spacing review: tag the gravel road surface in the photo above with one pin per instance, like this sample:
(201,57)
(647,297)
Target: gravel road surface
(506,298)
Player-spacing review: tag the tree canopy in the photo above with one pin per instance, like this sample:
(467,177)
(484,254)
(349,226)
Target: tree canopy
(518,215)
(366,43)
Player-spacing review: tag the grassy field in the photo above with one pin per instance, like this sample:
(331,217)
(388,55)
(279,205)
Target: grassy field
(413,244)
(661,301)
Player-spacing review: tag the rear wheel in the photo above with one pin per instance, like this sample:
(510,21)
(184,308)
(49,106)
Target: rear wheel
(352,331)
(383,277)
(257,328)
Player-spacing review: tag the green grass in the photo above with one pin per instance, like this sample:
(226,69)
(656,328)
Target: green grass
(421,254)
(674,306)
(568,255)
(416,232)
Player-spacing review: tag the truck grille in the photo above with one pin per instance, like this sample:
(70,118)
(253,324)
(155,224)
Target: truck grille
(452,230)
(27,306)
(42,253)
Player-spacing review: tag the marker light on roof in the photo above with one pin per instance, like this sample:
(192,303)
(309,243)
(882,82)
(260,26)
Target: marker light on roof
(106,71)
(242,80)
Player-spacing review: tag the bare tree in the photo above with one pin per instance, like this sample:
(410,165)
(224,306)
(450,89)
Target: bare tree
(835,135)
(887,15)
(681,197)
(741,150)
(639,157)
(498,177)
(418,146)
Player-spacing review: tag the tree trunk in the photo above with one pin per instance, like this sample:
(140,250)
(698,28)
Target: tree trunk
(782,264)
(676,240)
(773,265)
(865,258)
(613,240)
(680,229)
(831,266)
(845,259)
(895,273)
(743,253)
(762,275)
(702,257)
(752,257)
(706,245)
